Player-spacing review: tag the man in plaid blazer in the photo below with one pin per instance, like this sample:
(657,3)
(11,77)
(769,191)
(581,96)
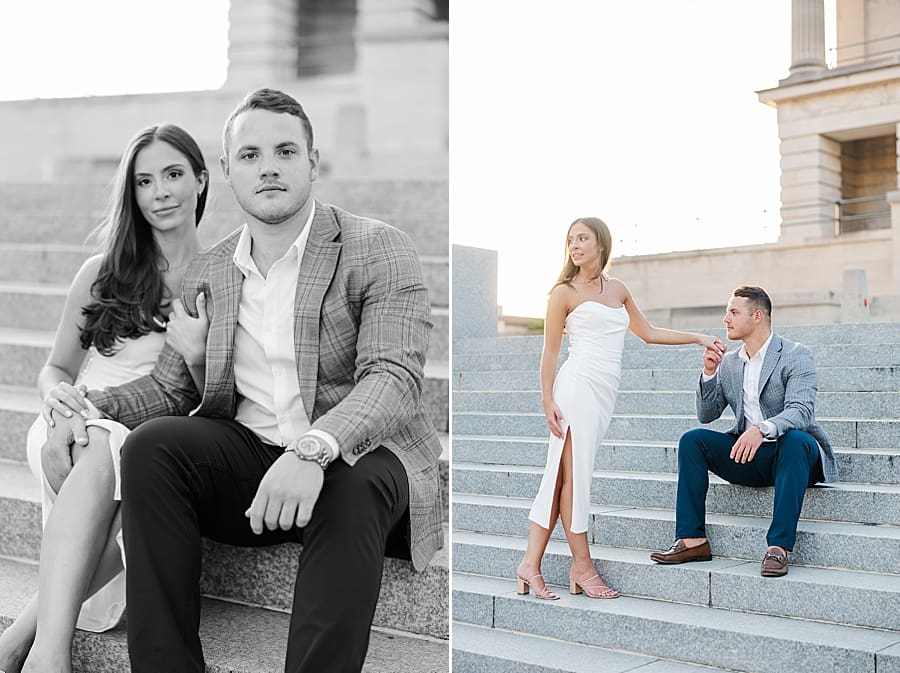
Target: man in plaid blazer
(310,424)
(770,383)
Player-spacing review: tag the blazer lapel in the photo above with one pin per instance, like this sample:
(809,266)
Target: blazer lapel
(222,306)
(773,354)
(317,268)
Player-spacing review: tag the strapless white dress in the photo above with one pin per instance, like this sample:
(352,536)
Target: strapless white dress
(585,390)
(134,358)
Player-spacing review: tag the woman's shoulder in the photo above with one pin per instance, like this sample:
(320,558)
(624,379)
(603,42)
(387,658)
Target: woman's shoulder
(617,288)
(87,274)
(563,293)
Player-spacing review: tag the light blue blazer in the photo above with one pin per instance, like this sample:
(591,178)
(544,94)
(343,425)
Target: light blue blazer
(788,384)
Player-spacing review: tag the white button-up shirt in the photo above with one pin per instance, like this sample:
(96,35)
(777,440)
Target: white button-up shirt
(753,414)
(752,369)
(265,361)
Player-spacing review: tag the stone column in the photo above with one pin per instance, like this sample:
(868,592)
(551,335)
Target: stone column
(262,42)
(807,37)
(474,292)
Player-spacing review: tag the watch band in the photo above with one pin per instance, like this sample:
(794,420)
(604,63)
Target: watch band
(322,456)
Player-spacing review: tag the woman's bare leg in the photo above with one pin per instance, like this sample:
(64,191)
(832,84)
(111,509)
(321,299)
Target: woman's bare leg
(16,640)
(582,566)
(76,539)
(538,537)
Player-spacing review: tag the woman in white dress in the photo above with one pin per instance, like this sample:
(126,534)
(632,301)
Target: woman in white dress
(596,310)
(112,329)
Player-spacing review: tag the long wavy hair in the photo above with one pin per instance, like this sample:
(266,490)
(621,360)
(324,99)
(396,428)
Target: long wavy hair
(604,238)
(129,289)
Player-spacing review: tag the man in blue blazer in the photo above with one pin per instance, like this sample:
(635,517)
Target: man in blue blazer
(770,383)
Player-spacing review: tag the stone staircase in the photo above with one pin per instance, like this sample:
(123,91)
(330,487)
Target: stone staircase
(249,591)
(838,609)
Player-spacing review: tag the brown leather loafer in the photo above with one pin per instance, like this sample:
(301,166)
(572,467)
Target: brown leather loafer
(680,553)
(774,563)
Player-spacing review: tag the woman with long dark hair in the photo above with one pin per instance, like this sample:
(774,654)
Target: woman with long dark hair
(578,401)
(115,322)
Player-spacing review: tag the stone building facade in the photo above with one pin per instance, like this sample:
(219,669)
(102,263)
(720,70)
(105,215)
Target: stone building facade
(372,75)
(837,258)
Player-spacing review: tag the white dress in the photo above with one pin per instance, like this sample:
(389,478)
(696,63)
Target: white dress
(585,391)
(133,358)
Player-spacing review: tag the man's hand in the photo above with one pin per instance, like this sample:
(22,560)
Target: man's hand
(711,359)
(56,453)
(745,447)
(286,495)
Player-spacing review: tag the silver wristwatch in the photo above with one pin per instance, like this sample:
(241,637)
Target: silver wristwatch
(310,447)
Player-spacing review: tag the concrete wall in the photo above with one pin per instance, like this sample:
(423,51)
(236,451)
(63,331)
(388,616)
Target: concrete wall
(805,281)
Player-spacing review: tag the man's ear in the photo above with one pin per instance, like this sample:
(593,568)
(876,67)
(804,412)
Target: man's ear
(313,164)
(223,162)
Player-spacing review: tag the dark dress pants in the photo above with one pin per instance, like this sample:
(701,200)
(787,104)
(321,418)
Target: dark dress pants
(187,477)
(790,464)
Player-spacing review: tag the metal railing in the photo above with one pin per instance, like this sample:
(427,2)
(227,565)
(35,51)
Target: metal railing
(861,213)
(832,54)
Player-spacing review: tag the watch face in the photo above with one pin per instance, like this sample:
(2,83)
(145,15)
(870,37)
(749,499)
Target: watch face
(308,447)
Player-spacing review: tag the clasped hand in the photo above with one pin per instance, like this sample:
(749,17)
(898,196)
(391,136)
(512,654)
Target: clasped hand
(286,495)
(56,453)
(712,355)
(186,334)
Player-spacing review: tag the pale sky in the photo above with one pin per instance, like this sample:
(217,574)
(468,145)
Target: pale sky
(644,114)
(64,48)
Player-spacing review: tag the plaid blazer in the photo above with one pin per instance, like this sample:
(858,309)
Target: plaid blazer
(788,384)
(361,326)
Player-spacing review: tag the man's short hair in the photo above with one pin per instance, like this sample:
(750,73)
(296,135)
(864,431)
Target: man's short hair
(273,101)
(758,299)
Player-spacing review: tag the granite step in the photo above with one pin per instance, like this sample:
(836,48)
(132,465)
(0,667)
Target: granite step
(839,333)
(415,602)
(844,378)
(821,594)
(753,643)
(827,544)
(477,649)
(849,432)
(682,357)
(828,404)
(58,263)
(37,306)
(876,466)
(855,503)
(236,638)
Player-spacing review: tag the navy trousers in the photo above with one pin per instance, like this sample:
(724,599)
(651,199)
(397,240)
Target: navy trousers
(790,464)
(187,477)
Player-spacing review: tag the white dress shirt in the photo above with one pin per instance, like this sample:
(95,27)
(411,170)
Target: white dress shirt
(265,361)
(752,369)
